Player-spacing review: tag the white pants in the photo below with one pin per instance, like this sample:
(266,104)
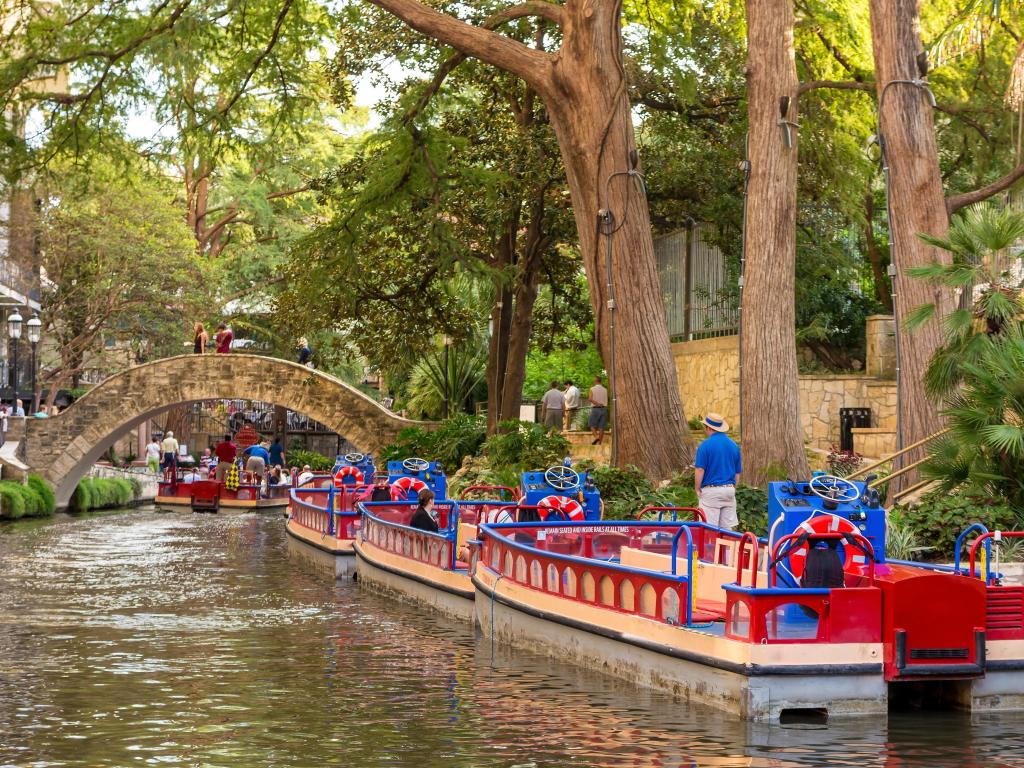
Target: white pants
(719,506)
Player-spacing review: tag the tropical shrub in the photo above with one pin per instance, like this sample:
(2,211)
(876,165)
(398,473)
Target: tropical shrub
(12,500)
(101,493)
(842,463)
(752,509)
(317,462)
(983,453)
(458,437)
(902,540)
(939,518)
(523,445)
(49,498)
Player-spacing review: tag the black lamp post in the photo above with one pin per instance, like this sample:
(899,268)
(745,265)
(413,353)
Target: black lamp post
(35,327)
(14,321)
(447,344)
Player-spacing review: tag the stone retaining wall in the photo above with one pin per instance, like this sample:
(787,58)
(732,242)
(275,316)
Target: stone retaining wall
(708,372)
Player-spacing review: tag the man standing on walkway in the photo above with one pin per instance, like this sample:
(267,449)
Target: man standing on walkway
(572,405)
(153,456)
(553,403)
(598,421)
(170,448)
(718,467)
(225,451)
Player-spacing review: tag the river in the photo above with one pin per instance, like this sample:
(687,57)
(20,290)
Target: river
(172,639)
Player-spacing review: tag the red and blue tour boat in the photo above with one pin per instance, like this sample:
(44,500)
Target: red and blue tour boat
(434,568)
(322,515)
(187,487)
(813,619)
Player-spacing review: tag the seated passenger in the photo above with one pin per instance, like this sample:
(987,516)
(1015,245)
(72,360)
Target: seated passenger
(306,475)
(423,517)
(381,492)
(823,569)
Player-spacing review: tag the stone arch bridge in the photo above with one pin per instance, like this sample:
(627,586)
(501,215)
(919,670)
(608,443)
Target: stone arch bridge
(64,447)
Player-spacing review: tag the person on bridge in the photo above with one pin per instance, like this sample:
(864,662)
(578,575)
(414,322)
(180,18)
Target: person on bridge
(170,448)
(225,451)
(224,338)
(305,353)
(200,338)
(153,456)
(423,517)
(717,469)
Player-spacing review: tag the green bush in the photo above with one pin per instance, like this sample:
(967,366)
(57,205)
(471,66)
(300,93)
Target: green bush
(458,437)
(12,500)
(522,445)
(752,509)
(316,461)
(102,493)
(939,518)
(46,493)
(35,505)
(136,487)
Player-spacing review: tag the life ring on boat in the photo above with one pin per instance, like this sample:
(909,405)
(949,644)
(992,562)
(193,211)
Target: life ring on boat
(343,472)
(824,524)
(568,507)
(403,487)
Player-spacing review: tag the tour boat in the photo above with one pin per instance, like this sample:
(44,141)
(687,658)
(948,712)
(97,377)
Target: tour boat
(183,487)
(723,618)
(433,568)
(322,514)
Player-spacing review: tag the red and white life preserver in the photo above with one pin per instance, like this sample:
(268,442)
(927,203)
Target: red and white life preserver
(825,524)
(347,471)
(569,507)
(404,488)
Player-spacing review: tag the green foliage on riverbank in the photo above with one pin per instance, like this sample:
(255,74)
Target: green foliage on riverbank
(102,493)
(299,457)
(34,499)
(458,437)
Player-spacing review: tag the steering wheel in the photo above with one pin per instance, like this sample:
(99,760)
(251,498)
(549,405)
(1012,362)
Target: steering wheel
(416,465)
(354,458)
(562,478)
(832,488)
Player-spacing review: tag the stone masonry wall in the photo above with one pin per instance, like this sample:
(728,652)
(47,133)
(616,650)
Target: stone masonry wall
(708,372)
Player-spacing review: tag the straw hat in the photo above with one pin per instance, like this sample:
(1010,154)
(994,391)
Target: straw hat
(716,422)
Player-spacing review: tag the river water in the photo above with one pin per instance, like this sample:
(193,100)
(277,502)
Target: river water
(172,639)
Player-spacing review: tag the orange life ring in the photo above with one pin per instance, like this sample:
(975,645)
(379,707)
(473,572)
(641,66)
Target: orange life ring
(347,471)
(569,507)
(404,486)
(825,524)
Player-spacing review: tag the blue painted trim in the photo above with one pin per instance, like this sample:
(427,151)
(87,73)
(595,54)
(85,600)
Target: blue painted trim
(776,590)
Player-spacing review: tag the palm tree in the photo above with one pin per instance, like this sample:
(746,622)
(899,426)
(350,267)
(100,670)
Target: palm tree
(986,271)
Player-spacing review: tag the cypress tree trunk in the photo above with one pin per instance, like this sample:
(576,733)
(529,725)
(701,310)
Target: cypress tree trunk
(769,410)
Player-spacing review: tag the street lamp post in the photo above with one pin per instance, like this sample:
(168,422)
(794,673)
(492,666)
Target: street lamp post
(35,327)
(447,344)
(14,321)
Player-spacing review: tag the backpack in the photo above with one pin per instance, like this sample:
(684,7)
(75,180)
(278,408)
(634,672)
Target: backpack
(231,479)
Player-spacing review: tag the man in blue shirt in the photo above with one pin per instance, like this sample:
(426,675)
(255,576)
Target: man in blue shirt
(717,470)
(257,459)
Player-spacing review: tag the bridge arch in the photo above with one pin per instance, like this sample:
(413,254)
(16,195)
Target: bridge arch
(64,447)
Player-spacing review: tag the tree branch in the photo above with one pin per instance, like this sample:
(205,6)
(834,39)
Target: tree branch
(488,46)
(839,85)
(955,202)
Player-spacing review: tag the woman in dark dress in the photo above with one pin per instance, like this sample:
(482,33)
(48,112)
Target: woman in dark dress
(422,518)
(199,339)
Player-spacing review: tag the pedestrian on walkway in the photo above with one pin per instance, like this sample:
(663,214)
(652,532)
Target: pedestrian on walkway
(19,408)
(573,402)
(170,450)
(200,338)
(223,339)
(553,403)
(717,470)
(598,421)
(153,456)
(225,451)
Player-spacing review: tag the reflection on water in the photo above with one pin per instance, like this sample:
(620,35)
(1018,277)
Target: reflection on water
(191,640)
